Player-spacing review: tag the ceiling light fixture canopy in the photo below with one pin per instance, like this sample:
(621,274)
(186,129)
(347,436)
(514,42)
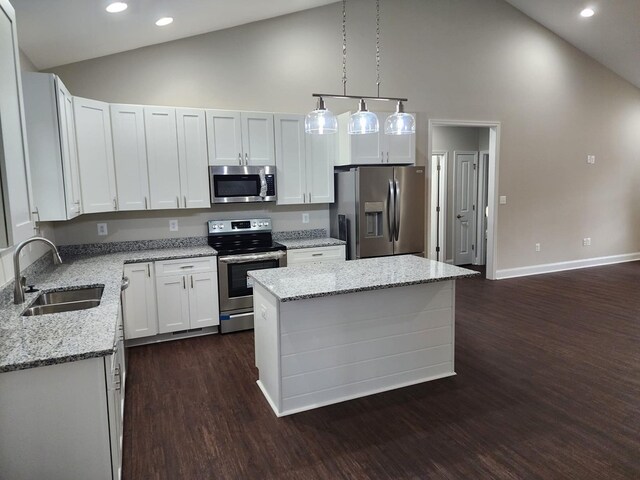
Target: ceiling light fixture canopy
(116,7)
(322,121)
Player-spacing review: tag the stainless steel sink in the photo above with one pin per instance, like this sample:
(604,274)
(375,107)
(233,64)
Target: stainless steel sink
(58,301)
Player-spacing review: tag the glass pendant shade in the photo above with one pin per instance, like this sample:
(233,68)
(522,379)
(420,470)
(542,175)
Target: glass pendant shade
(400,123)
(363,121)
(320,121)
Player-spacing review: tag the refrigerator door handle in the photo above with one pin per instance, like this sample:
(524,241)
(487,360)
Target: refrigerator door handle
(396,212)
(391,209)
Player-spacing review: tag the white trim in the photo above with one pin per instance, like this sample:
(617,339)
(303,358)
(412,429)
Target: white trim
(492,187)
(569,265)
(443,205)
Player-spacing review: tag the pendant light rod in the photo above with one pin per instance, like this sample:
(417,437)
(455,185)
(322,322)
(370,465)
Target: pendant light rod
(358,97)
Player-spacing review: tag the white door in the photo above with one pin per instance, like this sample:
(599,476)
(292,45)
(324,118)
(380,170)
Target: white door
(173,303)
(257,138)
(162,154)
(192,153)
(224,137)
(464,210)
(70,168)
(322,151)
(290,159)
(140,311)
(203,300)
(130,155)
(95,155)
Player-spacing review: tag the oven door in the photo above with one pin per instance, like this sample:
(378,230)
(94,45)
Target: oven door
(233,184)
(235,294)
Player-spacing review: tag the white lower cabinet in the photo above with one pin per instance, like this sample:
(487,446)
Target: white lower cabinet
(334,253)
(63,421)
(173,303)
(140,309)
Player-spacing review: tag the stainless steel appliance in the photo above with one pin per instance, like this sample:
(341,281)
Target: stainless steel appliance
(380,211)
(240,184)
(242,245)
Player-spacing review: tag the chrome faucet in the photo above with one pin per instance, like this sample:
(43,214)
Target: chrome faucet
(20,281)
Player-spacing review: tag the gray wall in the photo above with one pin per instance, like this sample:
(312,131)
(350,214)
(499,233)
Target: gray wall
(454,59)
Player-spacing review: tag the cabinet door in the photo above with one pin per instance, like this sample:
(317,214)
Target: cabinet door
(140,312)
(290,159)
(203,300)
(192,153)
(398,149)
(224,137)
(357,149)
(257,138)
(68,148)
(173,303)
(130,155)
(322,151)
(95,155)
(162,154)
(14,167)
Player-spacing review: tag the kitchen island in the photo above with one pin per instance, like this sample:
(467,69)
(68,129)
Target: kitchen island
(326,333)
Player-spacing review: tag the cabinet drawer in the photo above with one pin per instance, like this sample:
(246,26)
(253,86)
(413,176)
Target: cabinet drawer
(186,265)
(318,254)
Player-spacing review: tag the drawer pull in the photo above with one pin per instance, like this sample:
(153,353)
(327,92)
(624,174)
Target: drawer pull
(186,266)
(317,254)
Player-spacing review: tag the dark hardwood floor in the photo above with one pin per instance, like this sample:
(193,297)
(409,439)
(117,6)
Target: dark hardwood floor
(548,387)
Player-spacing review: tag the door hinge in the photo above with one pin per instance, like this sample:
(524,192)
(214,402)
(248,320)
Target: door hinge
(437,209)
(474,208)
(438,167)
(474,166)
(437,249)
(473,247)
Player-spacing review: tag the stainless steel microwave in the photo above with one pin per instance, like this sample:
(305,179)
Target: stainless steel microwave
(235,184)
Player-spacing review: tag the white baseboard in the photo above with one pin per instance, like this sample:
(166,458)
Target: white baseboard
(561,266)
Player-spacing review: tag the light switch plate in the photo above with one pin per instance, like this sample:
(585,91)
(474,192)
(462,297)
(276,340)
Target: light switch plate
(102,229)
(591,159)
(173,225)
(503,199)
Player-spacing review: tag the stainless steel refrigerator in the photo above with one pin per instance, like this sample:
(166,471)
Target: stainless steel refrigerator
(380,211)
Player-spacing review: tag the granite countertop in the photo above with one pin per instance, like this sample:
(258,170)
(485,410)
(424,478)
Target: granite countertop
(300,282)
(27,342)
(296,243)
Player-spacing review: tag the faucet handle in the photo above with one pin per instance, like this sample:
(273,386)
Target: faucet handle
(23,281)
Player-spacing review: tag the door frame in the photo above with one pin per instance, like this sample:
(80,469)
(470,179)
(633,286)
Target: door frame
(492,184)
(481,187)
(473,195)
(438,224)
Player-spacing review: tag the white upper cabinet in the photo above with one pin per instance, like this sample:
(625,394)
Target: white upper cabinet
(130,155)
(240,138)
(95,155)
(53,157)
(192,153)
(304,162)
(15,202)
(374,148)
(224,136)
(162,154)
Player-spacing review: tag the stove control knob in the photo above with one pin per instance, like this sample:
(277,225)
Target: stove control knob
(261,224)
(220,226)
(215,227)
(254,224)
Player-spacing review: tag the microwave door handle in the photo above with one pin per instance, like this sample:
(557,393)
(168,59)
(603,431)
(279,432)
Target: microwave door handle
(232,259)
(397,210)
(263,183)
(391,208)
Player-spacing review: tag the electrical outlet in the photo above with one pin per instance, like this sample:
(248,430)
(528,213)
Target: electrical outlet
(538,247)
(173,225)
(102,229)
(305,218)
(591,159)
(586,242)
(503,199)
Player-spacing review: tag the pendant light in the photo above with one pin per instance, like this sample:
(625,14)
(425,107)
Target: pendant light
(322,121)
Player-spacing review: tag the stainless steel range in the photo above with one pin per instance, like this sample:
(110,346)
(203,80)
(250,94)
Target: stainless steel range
(242,245)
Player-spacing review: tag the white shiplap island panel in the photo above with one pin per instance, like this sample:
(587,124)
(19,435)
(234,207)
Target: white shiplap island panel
(329,347)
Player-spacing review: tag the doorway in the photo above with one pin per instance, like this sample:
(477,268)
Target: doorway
(463,198)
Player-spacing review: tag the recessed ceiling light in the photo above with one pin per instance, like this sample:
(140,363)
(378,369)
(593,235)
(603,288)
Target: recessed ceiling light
(587,12)
(116,7)
(164,21)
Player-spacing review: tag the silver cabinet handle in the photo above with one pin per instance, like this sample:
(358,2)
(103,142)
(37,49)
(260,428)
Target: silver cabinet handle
(309,197)
(317,254)
(186,266)
(115,205)
(191,281)
(184,282)
(246,258)
(146,203)
(178,201)
(239,159)
(148,270)
(304,197)
(387,157)
(246,159)
(185,201)
(124,284)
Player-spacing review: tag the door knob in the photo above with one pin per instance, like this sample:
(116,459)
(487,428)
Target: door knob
(458,216)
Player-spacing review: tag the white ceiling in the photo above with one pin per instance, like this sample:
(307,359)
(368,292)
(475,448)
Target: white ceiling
(611,36)
(57,32)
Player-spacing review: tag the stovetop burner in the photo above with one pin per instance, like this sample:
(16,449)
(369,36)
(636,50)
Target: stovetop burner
(242,236)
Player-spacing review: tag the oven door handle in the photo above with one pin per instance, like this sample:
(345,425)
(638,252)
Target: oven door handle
(252,257)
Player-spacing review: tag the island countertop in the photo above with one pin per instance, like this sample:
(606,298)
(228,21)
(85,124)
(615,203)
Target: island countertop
(299,282)
(27,342)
